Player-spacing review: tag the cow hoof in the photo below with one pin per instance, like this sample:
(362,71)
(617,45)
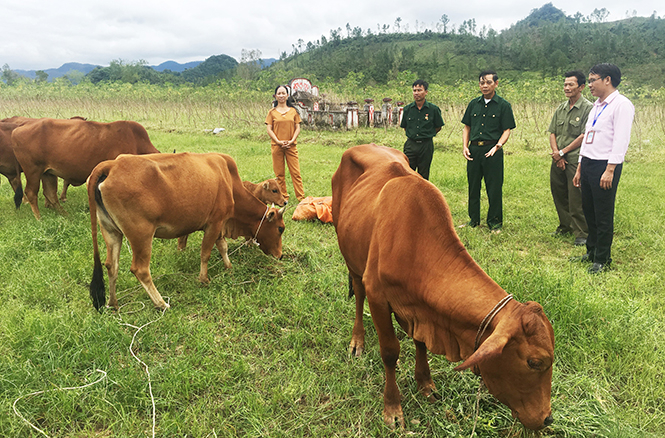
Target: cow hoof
(394,418)
(356,349)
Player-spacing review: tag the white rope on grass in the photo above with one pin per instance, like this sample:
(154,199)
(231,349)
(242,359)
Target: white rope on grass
(147,370)
(51,390)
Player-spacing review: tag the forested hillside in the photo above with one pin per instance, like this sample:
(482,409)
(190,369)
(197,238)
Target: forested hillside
(547,42)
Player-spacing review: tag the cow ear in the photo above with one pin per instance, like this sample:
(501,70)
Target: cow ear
(271,215)
(266,186)
(491,348)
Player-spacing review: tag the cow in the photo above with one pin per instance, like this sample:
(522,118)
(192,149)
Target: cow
(168,196)
(8,164)
(267,191)
(396,234)
(70,149)
(9,167)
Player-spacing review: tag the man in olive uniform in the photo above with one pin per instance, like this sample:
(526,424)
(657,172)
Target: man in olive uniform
(565,130)
(488,121)
(421,121)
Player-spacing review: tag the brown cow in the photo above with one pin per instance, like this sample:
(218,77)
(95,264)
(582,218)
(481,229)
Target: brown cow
(396,234)
(7,153)
(167,196)
(267,191)
(70,149)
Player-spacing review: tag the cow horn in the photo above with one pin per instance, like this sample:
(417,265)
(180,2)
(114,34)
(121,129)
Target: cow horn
(281,210)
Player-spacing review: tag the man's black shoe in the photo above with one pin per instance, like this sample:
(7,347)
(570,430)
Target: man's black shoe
(579,241)
(586,258)
(597,268)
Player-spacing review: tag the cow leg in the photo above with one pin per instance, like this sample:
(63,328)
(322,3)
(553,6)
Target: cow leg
(223,248)
(50,189)
(210,236)
(182,242)
(357,345)
(113,240)
(65,186)
(31,190)
(423,377)
(392,408)
(141,252)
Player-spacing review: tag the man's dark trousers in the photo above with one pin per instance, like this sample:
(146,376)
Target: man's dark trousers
(420,153)
(491,168)
(598,206)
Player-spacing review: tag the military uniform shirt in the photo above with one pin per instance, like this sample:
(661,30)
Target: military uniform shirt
(488,120)
(568,123)
(421,124)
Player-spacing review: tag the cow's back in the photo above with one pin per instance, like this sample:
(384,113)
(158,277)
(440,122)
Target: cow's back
(176,193)
(363,172)
(70,149)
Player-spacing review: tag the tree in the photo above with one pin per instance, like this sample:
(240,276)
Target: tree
(9,75)
(599,15)
(250,64)
(398,21)
(444,22)
(41,76)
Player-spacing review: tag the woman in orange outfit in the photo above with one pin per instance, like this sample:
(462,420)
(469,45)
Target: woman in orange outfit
(283,124)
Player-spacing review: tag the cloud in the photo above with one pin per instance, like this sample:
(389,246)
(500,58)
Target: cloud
(40,34)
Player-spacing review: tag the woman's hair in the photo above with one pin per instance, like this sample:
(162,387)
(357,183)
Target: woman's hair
(289,100)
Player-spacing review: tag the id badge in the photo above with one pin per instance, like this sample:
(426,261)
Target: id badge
(589,137)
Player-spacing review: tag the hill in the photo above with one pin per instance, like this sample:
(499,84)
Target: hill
(64,69)
(546,42)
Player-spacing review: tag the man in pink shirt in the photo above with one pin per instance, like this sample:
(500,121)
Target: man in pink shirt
(604,147)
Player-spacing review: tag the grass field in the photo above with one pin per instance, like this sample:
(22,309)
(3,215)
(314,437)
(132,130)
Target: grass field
(262,350)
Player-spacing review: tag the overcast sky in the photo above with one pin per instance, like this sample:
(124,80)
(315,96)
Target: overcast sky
(42,34)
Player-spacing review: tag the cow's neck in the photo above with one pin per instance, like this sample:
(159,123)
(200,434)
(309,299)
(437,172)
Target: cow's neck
(461,295)
(248,212)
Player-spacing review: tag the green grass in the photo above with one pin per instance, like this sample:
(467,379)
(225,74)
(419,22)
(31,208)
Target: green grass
(262,350)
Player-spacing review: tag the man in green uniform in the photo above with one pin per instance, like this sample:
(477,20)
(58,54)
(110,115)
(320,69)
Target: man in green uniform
(421,121)
(566,131)
(488,121)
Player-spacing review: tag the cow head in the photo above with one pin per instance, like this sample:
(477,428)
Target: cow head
(515,362)
(270,232)
(270,193)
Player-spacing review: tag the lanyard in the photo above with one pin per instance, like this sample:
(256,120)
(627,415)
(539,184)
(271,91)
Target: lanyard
(598,115)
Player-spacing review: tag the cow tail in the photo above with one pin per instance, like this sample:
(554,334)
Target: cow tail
(350,286)
(97,289)
(18,195)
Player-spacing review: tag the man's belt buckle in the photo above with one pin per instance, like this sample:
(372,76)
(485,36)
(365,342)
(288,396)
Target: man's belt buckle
(483,143)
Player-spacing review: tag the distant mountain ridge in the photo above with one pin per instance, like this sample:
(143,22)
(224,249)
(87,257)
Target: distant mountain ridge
(87,68)
(69,67)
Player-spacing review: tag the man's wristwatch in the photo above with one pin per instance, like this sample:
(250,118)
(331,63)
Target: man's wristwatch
(561,154)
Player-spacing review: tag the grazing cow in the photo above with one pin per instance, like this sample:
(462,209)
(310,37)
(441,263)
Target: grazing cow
(9,167)
(8,164)
(168,196)
(396,234)
(70,149)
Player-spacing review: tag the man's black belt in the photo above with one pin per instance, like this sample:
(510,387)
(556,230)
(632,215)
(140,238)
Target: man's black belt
(484,143)
(419,141)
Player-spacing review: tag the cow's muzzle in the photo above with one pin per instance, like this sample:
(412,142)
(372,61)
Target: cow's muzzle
(549,420)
